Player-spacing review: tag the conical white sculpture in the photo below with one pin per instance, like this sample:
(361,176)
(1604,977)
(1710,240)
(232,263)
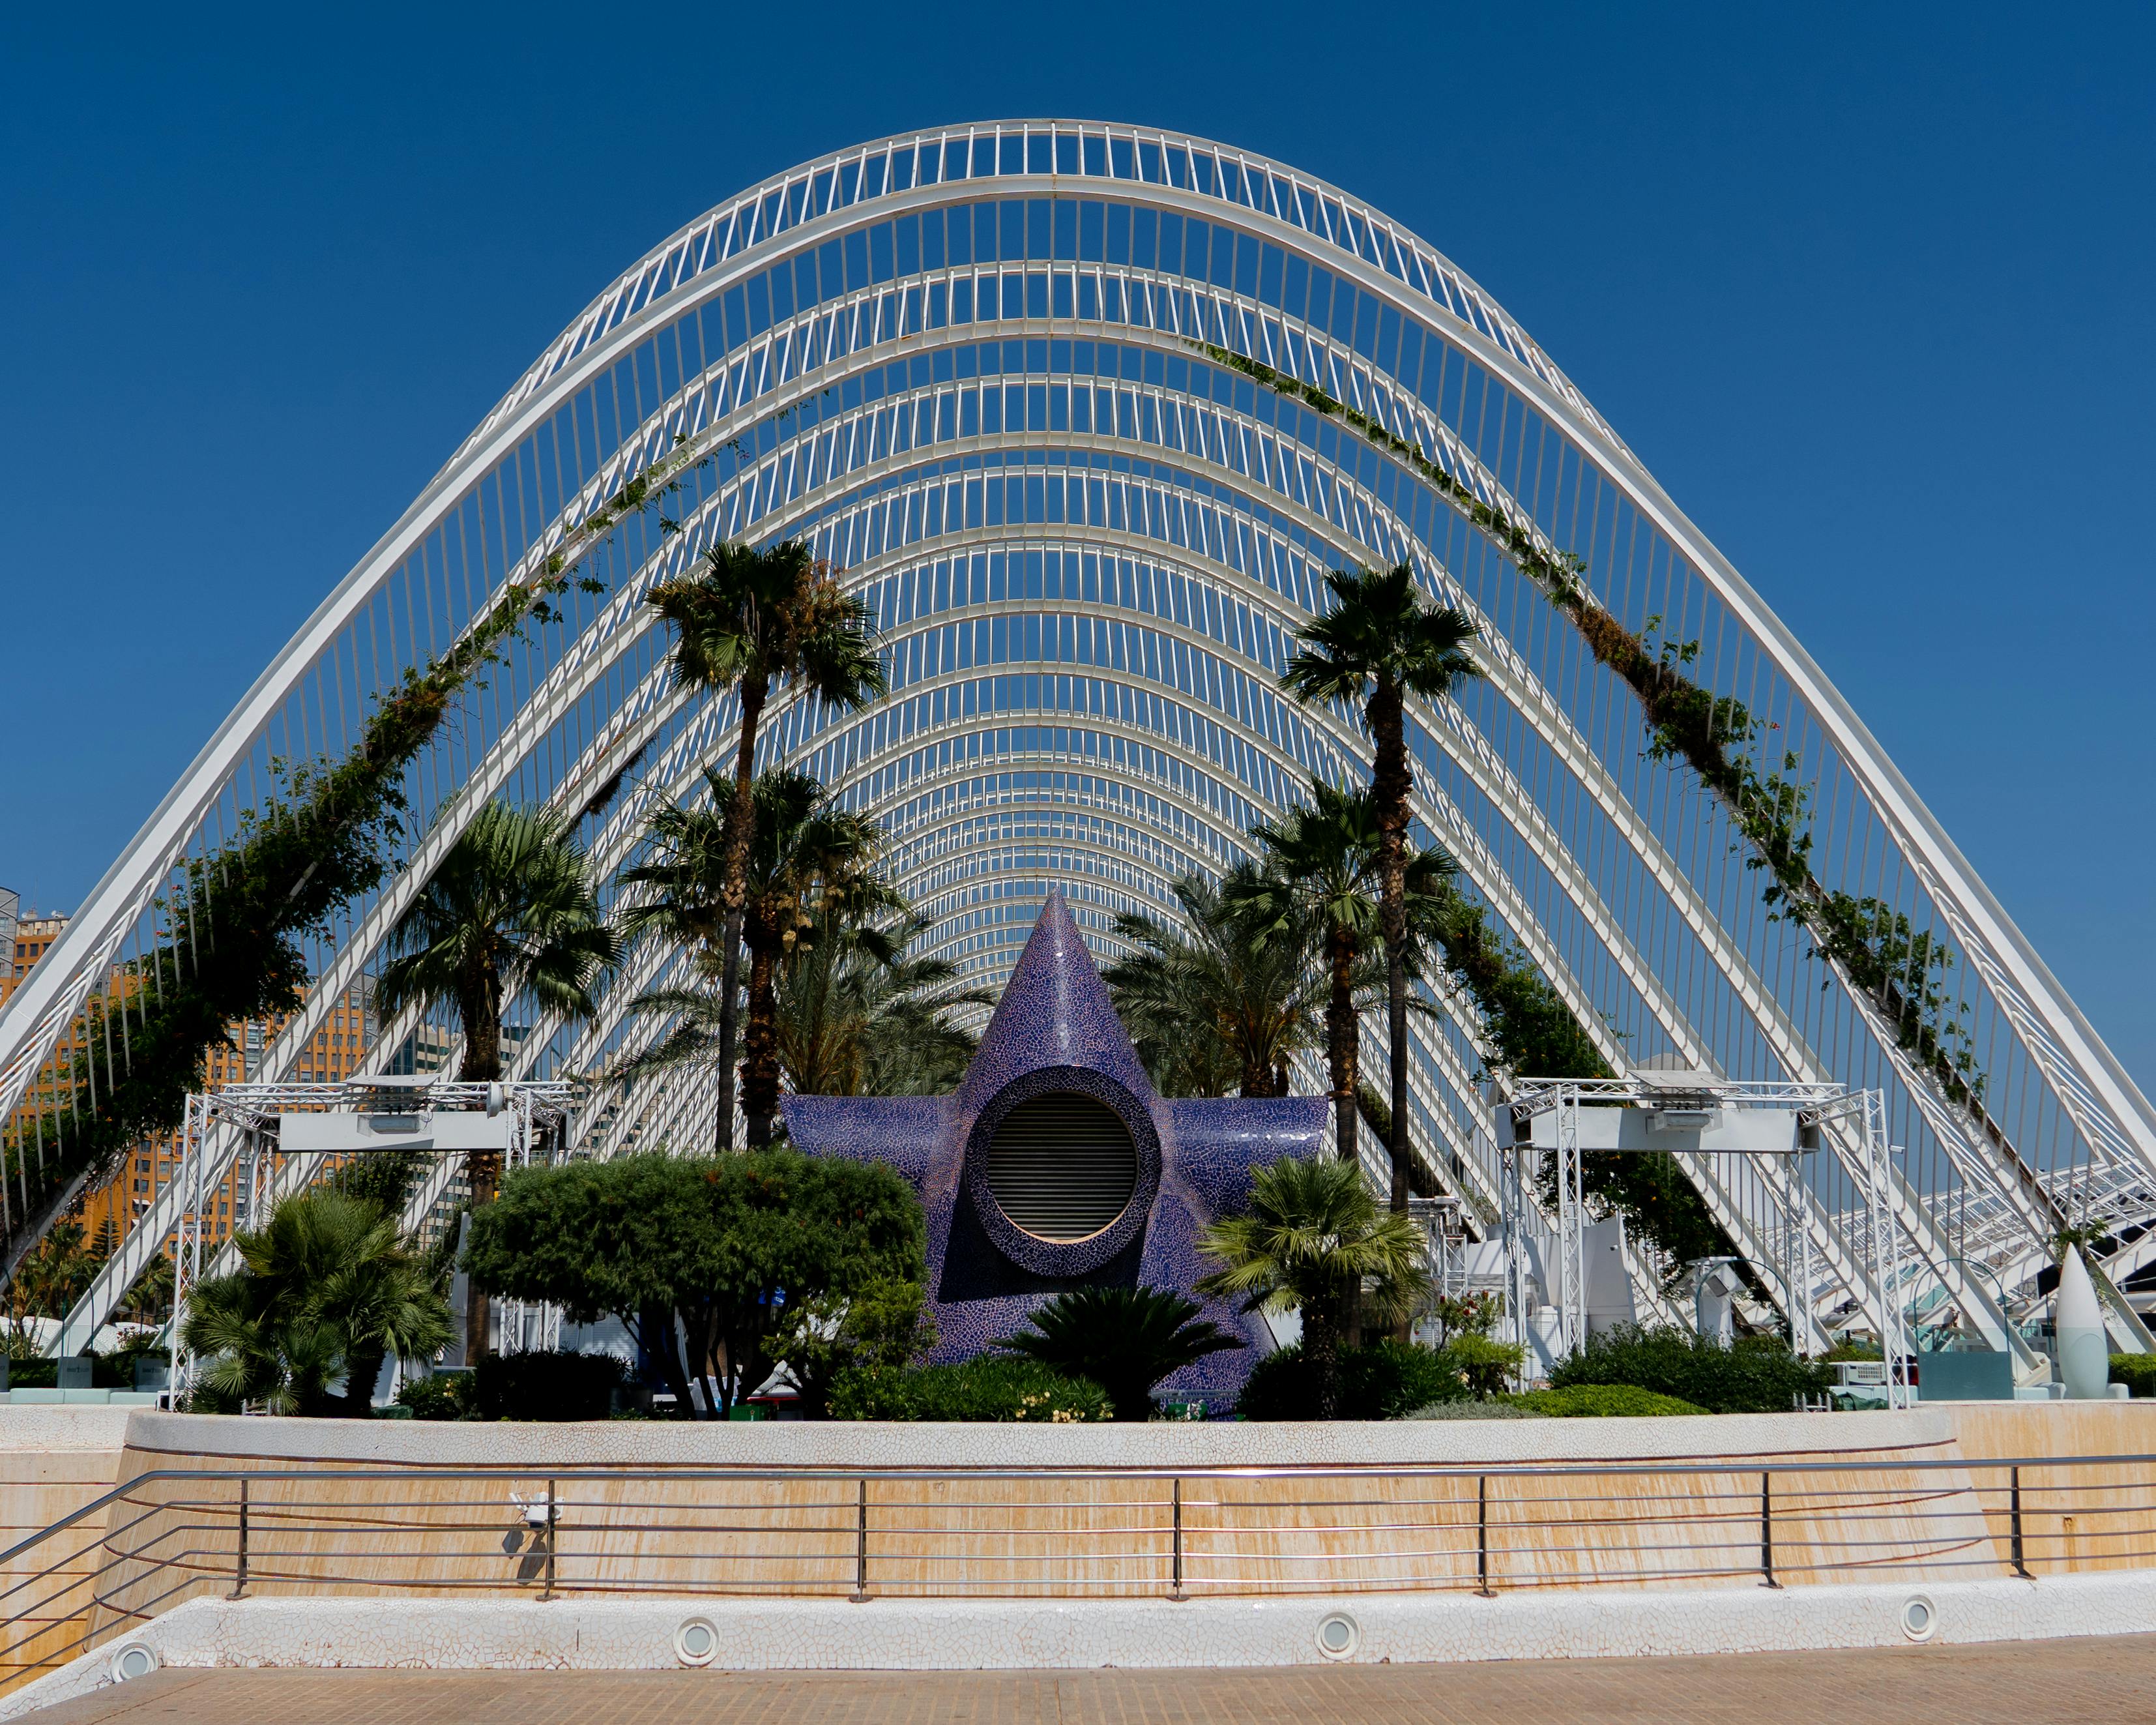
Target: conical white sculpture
(2084,1350)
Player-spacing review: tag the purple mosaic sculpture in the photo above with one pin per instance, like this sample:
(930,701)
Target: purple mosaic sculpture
(1054,1033)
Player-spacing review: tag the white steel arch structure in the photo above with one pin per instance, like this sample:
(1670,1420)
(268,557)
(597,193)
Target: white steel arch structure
(1051,394)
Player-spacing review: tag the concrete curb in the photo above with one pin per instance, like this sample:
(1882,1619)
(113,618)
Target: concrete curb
(1049,1635)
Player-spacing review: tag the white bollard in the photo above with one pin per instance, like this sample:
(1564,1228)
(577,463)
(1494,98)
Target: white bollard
(2084,1348)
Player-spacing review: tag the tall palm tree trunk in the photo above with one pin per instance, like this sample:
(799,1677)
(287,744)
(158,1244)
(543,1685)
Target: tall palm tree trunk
(479,1008)
(360,1371)
(1391,780)
(1321,1349)
(760,1051)
(754,692)
(1342,1038)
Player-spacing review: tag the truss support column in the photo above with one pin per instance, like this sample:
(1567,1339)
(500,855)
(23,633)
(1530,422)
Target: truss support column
(1571,1227)
(1797,1284)
(1513,1199)
(1885,1249)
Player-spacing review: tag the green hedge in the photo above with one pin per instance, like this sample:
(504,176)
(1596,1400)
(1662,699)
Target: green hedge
(441,1395)
(2137,1372)
(1600,1401)
(109,1371)
(1759,1375)
(1380,1380)
(540,1387)
(992,1388)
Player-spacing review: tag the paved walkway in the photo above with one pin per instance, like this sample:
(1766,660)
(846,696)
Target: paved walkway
(2111,1681)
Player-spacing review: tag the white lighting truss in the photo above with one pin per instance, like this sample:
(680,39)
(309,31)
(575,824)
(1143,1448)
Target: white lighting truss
(276,1138)
(1047,394)
(1772,1124)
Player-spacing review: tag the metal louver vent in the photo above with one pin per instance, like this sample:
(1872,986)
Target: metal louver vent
(1062,1167)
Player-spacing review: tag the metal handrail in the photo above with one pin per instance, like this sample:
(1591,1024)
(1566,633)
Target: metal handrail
(238,1530)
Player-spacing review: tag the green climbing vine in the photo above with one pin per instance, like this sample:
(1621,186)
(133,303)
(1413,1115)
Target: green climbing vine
(229,950)
(1533,1032)
(1900,972)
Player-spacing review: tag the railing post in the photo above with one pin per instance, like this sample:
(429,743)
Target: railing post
(2014,1525)
(1767,1529)
(861,1545)
(240,1563)
(1483,1536)
(1177,1592)
(553,1528)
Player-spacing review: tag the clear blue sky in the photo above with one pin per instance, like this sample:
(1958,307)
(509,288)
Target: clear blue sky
(1870,289)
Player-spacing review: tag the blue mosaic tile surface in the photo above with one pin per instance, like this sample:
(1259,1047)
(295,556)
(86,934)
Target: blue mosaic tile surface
(984,1278)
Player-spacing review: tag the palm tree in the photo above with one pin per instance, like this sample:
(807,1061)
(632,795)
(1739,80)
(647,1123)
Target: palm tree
(853,1016)
(510,907)
(806,853)
(686,874)
(1125,1339)
(753,621)
(149,1298)
(1323,872)
(327,1283)
(858,1017)
(49,1281)
(1312,1236)
(1226,993)
(1382,642)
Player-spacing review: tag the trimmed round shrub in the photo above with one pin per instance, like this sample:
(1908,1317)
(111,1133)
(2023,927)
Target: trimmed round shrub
(992,1388)
(1759,1375)
(1380,1380)
(1600,1401)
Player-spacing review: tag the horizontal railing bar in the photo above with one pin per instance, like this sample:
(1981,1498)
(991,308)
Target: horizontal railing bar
(575,1471)
(1566,1524)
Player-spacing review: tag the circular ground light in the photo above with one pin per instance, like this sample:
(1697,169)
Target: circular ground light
(696,1642)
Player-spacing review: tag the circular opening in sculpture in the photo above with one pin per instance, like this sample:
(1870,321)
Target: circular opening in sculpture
(1062,1167)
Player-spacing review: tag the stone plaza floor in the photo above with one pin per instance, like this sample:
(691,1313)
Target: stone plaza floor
(2059,1682)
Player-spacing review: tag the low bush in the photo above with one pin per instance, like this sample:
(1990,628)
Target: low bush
(1471,1410)
(2137,1372)
(1126,1340)
(1600,1401)
(992,1388)
(1484,1366)
(545,1386)
(445,1395)
(1379,1380)
(1759,1375)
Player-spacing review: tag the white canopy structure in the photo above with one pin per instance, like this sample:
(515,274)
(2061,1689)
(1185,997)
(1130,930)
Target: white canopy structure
(1086,413)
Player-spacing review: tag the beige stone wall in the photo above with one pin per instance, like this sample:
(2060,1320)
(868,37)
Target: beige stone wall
(983,1535)
(704,1513)
(53,1461)
(2073,1518)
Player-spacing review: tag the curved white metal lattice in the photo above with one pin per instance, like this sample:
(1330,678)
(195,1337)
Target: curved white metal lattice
(969,366)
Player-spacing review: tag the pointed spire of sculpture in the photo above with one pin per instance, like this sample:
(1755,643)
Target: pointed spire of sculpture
(1054,1012)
